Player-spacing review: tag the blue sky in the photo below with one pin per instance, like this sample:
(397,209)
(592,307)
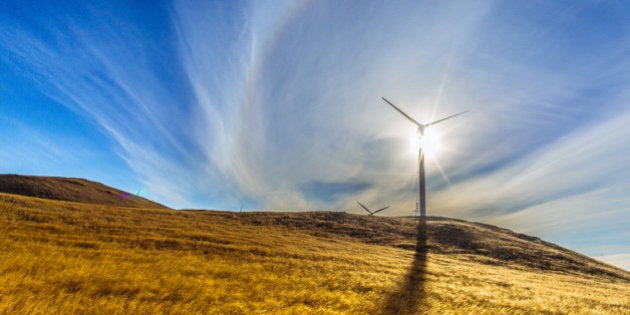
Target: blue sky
(276,105)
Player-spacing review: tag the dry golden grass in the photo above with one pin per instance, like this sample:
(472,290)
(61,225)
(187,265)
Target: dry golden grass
(67,257)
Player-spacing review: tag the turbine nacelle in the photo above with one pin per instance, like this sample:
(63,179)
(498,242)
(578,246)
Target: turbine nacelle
(421,127)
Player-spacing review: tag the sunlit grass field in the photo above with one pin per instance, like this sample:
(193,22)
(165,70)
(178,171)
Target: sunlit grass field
(68,257)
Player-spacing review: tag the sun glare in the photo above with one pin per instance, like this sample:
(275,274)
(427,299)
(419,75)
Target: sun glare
(430,144)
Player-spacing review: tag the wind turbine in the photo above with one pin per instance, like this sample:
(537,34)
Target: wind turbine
(371,212)
(421,128)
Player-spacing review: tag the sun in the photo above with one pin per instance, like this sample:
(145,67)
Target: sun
(430,143)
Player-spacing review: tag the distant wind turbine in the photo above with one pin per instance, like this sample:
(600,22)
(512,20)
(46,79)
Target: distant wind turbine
(421,128)
(369,211)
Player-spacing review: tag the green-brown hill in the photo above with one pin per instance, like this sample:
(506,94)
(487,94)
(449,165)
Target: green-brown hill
(76,257)
(487,244)
(71,189)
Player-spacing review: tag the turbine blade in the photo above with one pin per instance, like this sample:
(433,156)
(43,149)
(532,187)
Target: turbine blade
(379,210)
(403,113)
(443,119)
(364,207)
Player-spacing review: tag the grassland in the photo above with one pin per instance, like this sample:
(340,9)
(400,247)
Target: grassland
(71,257)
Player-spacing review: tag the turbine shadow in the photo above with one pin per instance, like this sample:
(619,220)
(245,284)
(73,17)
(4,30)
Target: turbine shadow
(409,297)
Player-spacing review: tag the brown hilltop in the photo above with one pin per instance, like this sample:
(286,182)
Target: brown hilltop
(71,189)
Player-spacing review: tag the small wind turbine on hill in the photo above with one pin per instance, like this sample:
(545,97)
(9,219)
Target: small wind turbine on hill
(369,211)
(421,127)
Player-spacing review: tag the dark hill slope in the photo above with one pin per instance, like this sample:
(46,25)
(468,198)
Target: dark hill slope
(484,243)
(72,189)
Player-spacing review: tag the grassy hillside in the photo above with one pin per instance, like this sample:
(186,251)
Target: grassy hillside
(71,189)
(69,257)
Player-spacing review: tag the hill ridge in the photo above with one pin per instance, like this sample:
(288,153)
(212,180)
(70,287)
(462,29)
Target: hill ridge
(71,189)
(444,235)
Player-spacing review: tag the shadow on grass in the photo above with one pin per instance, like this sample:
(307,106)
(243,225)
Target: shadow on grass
(409,296)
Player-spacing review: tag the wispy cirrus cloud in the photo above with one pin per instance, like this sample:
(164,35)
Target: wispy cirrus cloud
(571,191)
(276,105)
(305,107)
(88,65)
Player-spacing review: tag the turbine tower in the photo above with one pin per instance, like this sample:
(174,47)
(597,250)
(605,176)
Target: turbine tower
(421,182)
